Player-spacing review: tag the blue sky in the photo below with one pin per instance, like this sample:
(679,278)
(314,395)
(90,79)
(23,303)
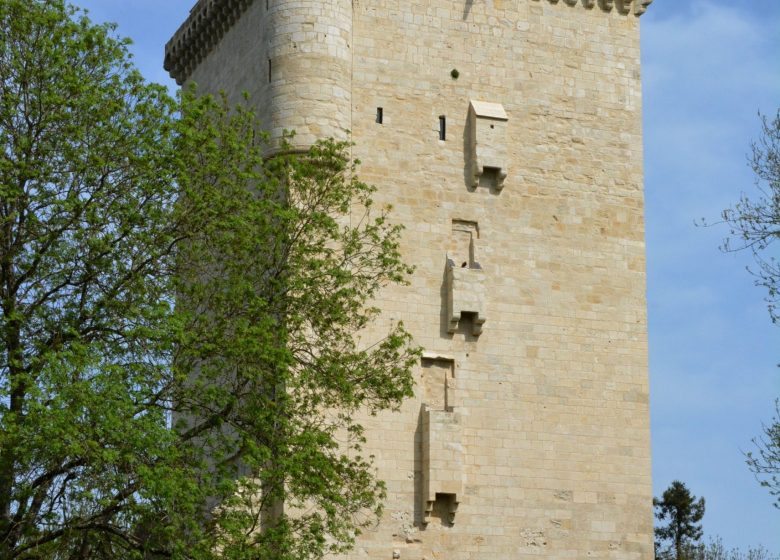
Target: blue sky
(709,67)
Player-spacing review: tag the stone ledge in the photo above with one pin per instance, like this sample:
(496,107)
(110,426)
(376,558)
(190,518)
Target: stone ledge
(622,6)
(207,23)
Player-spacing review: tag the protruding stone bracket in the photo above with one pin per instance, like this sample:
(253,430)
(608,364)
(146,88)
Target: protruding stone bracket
(622,6)
(487,150)
(442,465)
(465,296)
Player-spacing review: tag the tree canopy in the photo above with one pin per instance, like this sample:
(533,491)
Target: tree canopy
(180,317)
(682,514)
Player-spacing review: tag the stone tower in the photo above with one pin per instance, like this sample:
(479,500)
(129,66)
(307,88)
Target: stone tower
(507,136)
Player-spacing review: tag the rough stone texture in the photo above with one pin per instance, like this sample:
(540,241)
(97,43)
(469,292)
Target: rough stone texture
(552,396)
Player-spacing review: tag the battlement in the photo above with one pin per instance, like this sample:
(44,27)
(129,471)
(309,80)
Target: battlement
(208,21)
(622,6)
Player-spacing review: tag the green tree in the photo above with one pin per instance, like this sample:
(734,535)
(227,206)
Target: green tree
(755,226)
(275,286)
(681,514)
(180,351)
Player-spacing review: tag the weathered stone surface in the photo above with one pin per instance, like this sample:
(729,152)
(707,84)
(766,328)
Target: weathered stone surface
(552,396)
(442,468)
(466,297)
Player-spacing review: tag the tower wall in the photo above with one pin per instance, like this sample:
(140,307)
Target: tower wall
(528,435)
(552,396)
(293,58)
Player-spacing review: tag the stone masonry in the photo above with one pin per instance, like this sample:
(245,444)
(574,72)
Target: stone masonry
(507,136)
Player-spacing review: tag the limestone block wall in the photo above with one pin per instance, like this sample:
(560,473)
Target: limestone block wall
(293,58)
(548,404)
(311,66)
(553,393)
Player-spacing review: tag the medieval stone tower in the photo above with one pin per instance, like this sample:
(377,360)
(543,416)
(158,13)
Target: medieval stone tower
(507,136)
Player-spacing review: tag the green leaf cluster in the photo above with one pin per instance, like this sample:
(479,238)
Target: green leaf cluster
(682,514)
(182,316)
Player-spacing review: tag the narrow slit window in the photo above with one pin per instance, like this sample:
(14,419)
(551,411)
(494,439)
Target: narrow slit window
(442,127)
(269,70)
(379,115)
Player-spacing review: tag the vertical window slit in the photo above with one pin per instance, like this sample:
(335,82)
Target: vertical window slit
(269,70)
(442,127)
(379,115)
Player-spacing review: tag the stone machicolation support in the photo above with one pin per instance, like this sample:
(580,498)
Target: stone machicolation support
(622,6)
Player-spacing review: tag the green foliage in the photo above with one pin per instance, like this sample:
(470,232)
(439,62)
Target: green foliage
(682,514)
(277,282)
(180,317)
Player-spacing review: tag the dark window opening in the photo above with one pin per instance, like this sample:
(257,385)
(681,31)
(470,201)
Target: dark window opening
(444,509)
(379,115)
(442,127)
(489,177)
(269,70)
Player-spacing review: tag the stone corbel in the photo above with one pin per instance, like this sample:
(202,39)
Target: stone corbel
(622,6)
(640,6)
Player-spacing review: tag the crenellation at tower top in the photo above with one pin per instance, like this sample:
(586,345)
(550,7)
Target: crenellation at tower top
(622,6)
(208,21)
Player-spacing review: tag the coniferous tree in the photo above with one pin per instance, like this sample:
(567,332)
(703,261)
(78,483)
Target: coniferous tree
(680,514)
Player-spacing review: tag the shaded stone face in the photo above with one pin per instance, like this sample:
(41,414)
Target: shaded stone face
(528,436)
